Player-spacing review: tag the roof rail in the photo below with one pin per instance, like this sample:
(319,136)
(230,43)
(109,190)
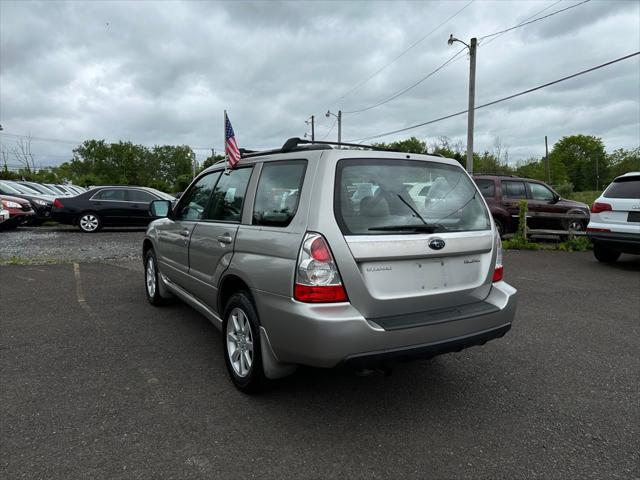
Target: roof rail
(296,144)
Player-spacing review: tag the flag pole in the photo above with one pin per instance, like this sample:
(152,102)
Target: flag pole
(224,136)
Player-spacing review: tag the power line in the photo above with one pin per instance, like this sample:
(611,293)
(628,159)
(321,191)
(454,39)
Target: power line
(331,129)
(358,85)
(43,139)
(410,87)
(498,35)
(500,99)
(533,21)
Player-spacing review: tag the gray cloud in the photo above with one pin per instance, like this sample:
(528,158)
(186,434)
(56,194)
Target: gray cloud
(162,72)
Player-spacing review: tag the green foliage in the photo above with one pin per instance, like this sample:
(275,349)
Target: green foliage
(575,244)
(587,197)
(622,161)
(584,158)
(565,190)
(210,160)
(517,243)
(519,240)
(410,145)
(96,162)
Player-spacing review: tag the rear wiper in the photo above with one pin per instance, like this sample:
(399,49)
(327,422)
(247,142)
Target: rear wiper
(410,228)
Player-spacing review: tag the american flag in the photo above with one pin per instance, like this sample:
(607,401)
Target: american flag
(230,145)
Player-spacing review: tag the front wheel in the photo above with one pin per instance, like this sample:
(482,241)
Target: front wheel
(241,344)
(90,222)
(604,254)
(151,279)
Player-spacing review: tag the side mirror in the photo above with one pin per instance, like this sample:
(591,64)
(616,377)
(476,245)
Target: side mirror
(160,208)
(556,198)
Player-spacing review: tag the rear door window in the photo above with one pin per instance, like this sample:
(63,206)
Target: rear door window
(511,189)
(624,188)
(110,194)
(228,196)
(487,188)
(371,197)
(140,196)
(278,193)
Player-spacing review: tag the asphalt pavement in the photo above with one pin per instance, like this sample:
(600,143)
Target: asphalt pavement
(97,383)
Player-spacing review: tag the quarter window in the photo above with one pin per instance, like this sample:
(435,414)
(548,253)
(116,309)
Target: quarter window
(194,201)
(228,196)
(540,192)
(278,193)
(110,195)
(512,189)
(140,196)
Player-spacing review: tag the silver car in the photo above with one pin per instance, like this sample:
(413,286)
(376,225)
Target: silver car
(297,270)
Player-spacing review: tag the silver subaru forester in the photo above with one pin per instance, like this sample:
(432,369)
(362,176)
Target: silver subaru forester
(323,256)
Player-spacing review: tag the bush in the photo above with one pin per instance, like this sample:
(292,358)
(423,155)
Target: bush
(565,189)
(576,244)
(518,243)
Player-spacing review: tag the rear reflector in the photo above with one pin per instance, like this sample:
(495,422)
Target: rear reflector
(598,229)
(600,207)
(323,294)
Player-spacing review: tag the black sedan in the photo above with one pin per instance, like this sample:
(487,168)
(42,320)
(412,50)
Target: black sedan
(107,206)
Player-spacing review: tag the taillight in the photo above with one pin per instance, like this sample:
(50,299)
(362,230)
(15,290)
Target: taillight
(317,277)
(600,207)
(57,204)
(498,272)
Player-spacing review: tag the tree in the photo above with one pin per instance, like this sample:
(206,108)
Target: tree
(622,161)
(585,160)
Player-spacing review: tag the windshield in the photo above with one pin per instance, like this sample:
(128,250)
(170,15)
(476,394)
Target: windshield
(8,188)
(25,190)
(375,197)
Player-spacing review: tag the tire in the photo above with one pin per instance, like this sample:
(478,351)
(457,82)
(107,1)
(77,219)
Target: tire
(499,227)
(151,279)
(89,222)
(241,344)
(573,225)
(604,254)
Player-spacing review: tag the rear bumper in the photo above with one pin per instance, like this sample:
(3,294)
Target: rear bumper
(330,334)
(622,242)
(63,217)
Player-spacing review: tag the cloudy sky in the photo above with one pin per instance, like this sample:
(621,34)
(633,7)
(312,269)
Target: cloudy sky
(163,72)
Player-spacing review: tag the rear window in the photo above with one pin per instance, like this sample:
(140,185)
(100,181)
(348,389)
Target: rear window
(628,187)
(372,193)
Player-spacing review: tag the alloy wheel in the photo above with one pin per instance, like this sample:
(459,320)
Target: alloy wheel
(239,342)
(151,277)
(89,222)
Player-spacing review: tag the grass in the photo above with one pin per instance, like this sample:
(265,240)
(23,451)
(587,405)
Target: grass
(587,197)
(17,260)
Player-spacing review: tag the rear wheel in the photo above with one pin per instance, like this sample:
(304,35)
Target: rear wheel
(241,344)
(90,222)
(499,227)
(605,254)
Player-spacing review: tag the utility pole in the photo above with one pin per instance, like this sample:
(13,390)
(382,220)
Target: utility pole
(597,174)
(546,160)
(472,103)
(194,164)
(472,47)
(313,127)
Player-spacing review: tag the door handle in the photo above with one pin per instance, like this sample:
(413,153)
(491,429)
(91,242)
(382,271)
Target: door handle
(226,238)
(184,233)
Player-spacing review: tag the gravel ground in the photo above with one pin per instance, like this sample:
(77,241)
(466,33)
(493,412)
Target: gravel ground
(63,244)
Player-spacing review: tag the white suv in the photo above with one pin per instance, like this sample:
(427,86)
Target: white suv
(614,227)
